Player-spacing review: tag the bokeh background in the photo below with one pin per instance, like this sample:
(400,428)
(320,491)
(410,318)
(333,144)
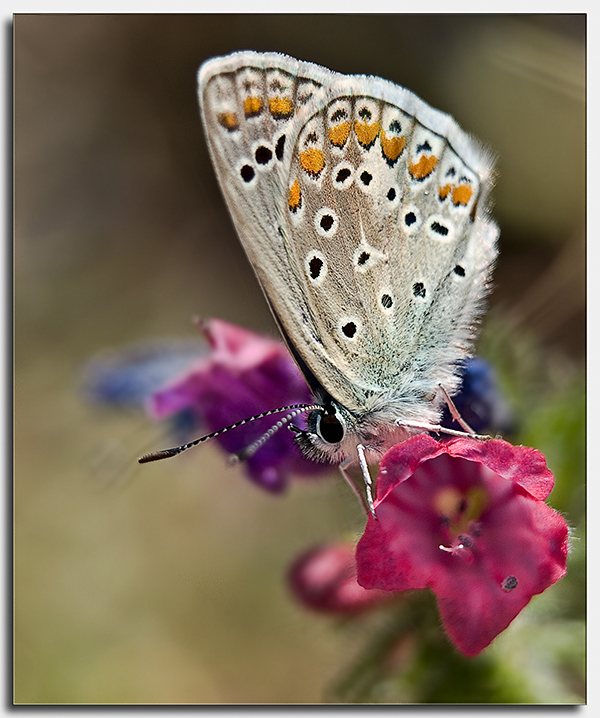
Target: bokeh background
(165,583)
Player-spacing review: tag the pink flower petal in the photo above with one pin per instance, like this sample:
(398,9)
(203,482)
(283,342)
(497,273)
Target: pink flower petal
(324,580)
(464,518)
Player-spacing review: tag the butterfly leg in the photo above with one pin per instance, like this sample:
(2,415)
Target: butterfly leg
(367,477)
(439,429)
(355,490)
(453,410)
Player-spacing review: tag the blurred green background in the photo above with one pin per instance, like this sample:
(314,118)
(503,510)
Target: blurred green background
(165,583)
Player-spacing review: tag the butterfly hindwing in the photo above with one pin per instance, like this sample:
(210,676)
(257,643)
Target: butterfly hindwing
(387,237)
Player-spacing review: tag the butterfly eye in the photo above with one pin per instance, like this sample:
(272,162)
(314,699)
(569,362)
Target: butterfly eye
(329,426)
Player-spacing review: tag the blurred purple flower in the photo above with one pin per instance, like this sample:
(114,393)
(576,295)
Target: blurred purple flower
(467,519)
(244,374)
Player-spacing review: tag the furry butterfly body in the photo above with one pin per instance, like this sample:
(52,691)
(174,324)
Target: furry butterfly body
(363,213)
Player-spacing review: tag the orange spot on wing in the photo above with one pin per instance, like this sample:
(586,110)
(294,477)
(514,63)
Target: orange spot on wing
(228,120)
(461,194)
(339,134)
(295,198)
(312,160)
(392,146)
(252,106)
(445,191)
(424,167)
(365,133)
(281,107)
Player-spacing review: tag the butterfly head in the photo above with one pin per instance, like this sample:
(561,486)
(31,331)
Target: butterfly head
(332,434)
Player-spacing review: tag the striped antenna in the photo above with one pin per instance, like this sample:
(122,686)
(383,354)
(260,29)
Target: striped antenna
(253,448)
(167,453)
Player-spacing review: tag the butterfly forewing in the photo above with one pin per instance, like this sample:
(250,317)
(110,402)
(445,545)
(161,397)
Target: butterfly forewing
(248,102)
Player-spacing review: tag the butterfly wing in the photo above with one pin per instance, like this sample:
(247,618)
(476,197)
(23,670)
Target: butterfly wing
(390,240)
(248,102)
(251,106)
(367,230)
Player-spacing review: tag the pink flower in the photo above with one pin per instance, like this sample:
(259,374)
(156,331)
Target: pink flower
(243,375)
(324,580)
(467,519)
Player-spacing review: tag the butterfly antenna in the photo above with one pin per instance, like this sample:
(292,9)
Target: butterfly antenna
(167,453)
(253,448)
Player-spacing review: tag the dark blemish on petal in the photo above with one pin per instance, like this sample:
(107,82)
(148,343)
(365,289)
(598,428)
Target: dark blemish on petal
(465,540)
(510,583)
(476,529)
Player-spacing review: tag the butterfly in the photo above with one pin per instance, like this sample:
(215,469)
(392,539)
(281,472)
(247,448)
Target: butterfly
(364,214)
